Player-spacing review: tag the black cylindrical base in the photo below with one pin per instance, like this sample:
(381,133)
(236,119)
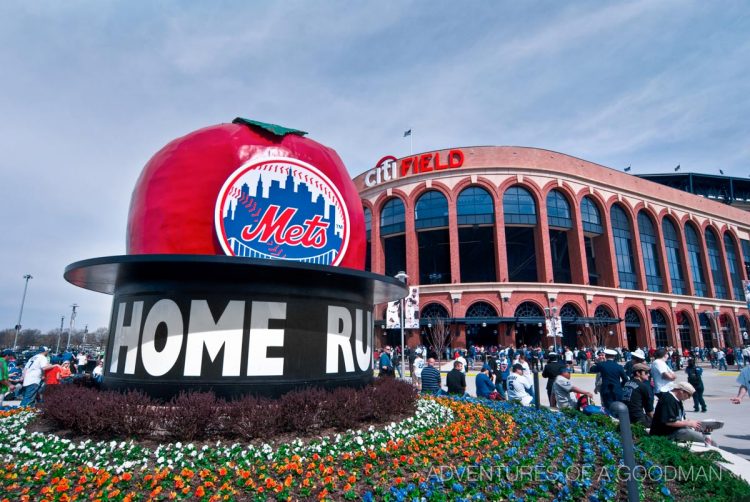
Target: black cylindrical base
(234,326)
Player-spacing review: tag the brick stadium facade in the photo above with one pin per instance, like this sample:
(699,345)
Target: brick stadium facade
(506,242)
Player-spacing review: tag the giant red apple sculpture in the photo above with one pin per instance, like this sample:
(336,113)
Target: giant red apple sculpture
(248,189)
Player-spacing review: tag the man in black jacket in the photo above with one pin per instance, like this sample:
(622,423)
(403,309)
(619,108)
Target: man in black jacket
(636,394)
(552,371)
(456,379)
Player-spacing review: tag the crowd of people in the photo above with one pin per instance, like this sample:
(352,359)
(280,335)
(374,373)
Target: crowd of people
(646,383)
(25,376)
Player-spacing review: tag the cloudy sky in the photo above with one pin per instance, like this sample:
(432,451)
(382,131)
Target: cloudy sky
(90,90)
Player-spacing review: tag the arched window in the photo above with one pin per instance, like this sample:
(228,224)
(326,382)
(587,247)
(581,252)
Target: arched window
(695,254)
(659,324)
(650,252)
(632,319)
(683,327)
(558,217)
(674,257)
(633,328)
(475,207)
(528,310)
(623,241)
(558,210)
(393,217)
(392,228)
(431,222)
(707,331)
(519,207)
(592,220)
(431,210)
(715,262)
(734,267)
(481,326)
(476,235)
(595,243)
(433,311)
(368,235)
(481,309)
(569,312)
(602,312)
(520,218)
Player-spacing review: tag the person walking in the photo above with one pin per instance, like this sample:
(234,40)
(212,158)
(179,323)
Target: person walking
(721,359)
(744,380)
(613,378)
(695,378)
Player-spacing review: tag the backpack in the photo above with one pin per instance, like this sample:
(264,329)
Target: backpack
(693,377)
(582,402)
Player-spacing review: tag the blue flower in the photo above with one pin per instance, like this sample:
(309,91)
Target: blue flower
(458,487)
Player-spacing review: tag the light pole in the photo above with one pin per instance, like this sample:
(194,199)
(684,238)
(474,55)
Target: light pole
(72,323)
(20,314)
(401,276)
(59,334)
(713,317)
(551,315)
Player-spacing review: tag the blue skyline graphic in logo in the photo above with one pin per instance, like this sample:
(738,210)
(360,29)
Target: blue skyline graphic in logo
(282,211)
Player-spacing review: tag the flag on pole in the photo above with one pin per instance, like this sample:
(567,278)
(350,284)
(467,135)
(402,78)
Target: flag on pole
(677,168)
(720,171)
(627,169)
(407,133)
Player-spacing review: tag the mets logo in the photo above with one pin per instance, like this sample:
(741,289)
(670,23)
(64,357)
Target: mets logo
(282,209)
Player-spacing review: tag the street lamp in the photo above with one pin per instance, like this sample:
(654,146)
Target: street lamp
(401,276)
(20,314)
(72,323)
(59,334)
(551,315)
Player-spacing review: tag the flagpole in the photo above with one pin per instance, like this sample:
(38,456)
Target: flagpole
(411,142)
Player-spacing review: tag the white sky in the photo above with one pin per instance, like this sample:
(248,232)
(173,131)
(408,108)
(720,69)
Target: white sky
(89,90)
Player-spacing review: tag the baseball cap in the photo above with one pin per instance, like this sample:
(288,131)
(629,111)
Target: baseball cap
(641,367)
(8,352)
(639,354)
(553,356)
(486,367)
(43,349)
(564,370)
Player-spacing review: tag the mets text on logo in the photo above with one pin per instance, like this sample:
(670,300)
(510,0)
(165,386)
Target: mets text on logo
(282,209)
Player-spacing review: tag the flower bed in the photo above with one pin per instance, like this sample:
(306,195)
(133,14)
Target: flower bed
(451,449)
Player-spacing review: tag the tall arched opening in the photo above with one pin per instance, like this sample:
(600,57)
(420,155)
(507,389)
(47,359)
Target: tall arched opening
(529,324)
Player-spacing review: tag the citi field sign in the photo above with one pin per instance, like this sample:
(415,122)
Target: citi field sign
(389,168)
(244,269)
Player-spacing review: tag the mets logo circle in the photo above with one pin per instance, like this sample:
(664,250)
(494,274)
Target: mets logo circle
(282,209)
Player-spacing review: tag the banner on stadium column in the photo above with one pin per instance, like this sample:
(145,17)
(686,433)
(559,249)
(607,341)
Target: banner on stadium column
(554,328)
(393,315)
(746,287)
(411,310)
